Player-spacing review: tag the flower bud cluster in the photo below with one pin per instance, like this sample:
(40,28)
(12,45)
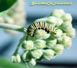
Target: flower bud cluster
(44,45)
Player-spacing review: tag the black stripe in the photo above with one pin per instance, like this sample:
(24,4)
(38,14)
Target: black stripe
(34,24)
(44,24)
(39,24)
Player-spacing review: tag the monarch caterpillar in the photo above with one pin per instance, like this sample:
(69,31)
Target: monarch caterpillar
(39,25)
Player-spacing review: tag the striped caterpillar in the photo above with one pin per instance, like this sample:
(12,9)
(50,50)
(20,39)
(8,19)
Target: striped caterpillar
(39,25)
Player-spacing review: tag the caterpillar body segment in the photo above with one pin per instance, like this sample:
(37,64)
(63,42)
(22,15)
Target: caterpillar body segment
(39,25)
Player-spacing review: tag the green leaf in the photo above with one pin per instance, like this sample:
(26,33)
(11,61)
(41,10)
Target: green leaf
(4,63)
(5,4)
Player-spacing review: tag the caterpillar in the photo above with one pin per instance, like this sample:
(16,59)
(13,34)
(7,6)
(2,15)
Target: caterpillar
(39,25)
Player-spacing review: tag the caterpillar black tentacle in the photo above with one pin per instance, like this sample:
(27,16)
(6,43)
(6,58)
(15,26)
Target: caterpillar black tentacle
(39,25)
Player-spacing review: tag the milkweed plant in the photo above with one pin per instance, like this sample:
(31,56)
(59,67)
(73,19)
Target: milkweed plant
(45,43)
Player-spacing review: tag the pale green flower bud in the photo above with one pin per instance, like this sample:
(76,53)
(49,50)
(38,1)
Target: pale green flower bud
(52,20)
(58,13)
(24,55)
(32,62)
(16,58)
(59,21)
(47,35)
(51,43)
(61,38)
(58,33)
(28,45)
(59,48)
(37,53)
(13,59)
(41,34)
(67,41)
(67,17)
(41,19)
(71,32)
(40,44)
(49,54)
(66,26)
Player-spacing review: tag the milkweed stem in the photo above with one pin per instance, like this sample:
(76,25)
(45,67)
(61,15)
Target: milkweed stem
(13,27)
